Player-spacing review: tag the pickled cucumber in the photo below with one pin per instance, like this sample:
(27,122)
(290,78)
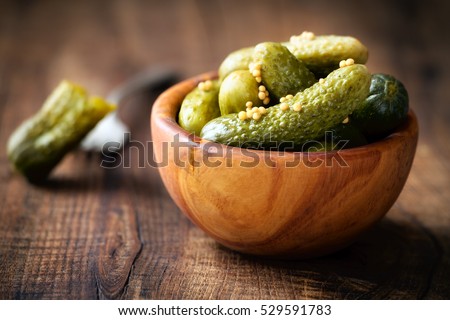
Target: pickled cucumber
(237,60)
(322,54)
(385,108)
(67,115)
(238,88)
(200,106)
(281,72)
(342,136)
(323,106)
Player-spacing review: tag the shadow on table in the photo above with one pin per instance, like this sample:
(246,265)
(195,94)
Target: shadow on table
(392,260)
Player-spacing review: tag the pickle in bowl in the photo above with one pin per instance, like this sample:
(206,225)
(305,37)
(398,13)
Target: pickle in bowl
(293,168)
(294,92)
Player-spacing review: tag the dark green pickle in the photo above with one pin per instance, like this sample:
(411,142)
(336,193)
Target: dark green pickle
(385,108)
(237,60)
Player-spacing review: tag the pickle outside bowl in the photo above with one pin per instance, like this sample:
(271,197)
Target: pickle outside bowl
(290,205)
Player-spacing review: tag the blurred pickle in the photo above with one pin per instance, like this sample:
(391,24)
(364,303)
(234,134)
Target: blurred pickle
(65,118)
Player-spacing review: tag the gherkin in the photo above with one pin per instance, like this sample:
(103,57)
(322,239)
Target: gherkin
(236,60)
(67,115)
(281,72)
(238,88)
(322,54)
(324,105)
(199,107)
(385,108)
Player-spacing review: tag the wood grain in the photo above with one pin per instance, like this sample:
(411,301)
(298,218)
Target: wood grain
(101,233)
(288,205)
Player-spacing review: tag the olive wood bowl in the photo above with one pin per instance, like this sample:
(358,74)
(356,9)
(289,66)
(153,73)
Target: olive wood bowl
(292,205)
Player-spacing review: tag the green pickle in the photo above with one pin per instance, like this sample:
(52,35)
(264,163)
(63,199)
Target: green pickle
(311,93)
(237,60)
(322,54)
(236,90)
(385,108)
(282,73)
(200,106)
(324,105)
(65,118)
(342,136)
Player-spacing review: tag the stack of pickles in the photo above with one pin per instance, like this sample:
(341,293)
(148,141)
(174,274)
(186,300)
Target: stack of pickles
(294,95)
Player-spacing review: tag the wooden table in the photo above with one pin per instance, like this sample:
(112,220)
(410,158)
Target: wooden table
(95,233)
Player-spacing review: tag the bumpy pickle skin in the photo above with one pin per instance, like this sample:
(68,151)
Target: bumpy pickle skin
(385,108)
(65,118)
(236,90)
(237,60)
(322,54)
(200,106)
(281,72)
(342,136)
(324,105)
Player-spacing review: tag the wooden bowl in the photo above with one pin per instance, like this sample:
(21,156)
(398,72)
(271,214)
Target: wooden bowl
(283,204)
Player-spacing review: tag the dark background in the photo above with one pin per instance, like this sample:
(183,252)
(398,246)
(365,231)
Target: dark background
(96,233)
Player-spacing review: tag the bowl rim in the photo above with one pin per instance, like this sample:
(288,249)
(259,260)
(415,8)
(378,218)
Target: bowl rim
(168,119)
